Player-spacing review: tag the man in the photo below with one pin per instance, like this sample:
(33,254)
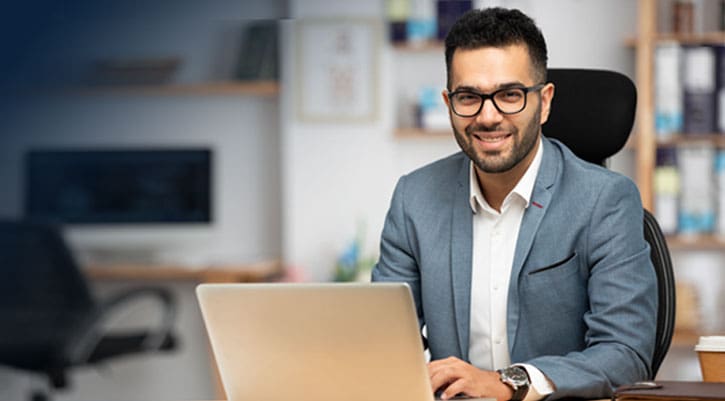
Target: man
(528,266)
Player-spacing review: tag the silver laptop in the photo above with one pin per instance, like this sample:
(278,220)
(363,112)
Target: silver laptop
(316,342)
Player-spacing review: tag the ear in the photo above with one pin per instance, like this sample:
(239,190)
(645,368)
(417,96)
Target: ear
(547,95)
(444,93)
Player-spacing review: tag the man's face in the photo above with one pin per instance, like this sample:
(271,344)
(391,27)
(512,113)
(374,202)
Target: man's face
(498,142)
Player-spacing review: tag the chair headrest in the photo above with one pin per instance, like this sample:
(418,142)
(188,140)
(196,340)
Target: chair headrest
(592,111)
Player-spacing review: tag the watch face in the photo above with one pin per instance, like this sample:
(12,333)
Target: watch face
(516,376)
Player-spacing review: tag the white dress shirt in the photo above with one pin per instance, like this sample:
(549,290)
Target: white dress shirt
(494,242)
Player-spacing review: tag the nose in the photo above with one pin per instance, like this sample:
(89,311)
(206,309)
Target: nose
(489,114)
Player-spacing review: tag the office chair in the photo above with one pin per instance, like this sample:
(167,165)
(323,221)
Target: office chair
(51,322)
(592,113)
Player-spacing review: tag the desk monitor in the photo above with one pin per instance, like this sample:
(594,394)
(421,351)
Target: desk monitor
(111,186)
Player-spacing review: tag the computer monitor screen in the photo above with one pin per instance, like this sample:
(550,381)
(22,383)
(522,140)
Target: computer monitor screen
(102,186)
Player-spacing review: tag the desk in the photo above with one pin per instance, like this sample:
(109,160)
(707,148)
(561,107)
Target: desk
(238,273)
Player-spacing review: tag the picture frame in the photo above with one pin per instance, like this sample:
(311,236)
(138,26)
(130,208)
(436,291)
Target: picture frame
(337,70)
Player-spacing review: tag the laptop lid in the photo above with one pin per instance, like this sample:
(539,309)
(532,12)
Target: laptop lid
(327,341)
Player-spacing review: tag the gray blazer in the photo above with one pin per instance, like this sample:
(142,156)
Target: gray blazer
(582,296)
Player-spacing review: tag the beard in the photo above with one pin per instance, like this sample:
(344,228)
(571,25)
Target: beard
(500,161)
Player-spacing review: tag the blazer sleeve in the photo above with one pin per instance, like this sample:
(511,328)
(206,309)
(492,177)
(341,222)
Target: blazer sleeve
(621,322)
(397,261)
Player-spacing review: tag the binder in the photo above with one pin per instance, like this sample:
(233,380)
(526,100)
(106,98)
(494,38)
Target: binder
(699,90)
(668,89)
(720,84)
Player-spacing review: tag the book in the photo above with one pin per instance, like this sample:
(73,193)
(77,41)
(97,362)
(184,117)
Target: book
(668,89)
(671,390)
(720,177)
(421,27)
(666,189)
(448,13)
(397,13)
(695,163)
(720,86)
(699,89)
(259,55)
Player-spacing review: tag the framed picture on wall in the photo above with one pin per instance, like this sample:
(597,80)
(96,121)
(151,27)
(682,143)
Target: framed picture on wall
(337,70)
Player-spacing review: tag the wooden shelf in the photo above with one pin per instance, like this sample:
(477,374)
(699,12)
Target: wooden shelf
(709,38)
(233,88)
(681,139)
(426,46)
(695,242)
(421,133)
(241,273)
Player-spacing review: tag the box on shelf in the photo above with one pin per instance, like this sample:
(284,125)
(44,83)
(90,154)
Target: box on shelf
(432,112)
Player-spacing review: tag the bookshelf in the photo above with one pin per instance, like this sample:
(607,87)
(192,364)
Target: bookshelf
(427,56)
(222,88)
(707,38)
(695,243)
(646,141)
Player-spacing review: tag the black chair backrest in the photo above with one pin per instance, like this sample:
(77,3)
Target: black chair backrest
(592,113)
(660,255)
(37,271)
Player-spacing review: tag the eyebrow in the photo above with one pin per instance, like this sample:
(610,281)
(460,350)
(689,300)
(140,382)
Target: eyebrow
(505,85)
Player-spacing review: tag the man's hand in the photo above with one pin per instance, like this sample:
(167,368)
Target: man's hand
(455,376)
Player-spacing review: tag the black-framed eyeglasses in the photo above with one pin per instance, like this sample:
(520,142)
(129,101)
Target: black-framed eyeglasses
(467,103)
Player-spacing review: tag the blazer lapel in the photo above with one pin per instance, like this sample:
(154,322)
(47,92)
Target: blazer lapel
(461,248)
(548,172)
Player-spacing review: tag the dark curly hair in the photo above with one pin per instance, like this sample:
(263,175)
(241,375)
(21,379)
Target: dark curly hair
(497,27)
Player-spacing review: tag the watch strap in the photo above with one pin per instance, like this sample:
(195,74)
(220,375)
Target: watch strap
(520,390)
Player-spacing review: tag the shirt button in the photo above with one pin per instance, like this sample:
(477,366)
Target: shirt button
(495,287)
(498,341)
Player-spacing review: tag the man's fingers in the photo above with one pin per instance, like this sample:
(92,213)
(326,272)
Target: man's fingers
(440,378)
(453,389)
(444,372)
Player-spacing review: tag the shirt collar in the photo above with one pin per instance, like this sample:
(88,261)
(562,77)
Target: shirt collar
(523,189)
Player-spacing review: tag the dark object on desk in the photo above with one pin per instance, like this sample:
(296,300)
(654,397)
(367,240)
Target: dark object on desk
(672,390)
(51,322)
(592,113)
(151,71)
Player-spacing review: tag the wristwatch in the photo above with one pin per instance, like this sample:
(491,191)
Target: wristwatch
(516,378)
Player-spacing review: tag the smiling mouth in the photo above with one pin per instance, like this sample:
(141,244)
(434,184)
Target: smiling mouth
(491,137)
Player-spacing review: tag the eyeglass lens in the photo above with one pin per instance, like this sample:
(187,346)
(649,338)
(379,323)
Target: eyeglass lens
(509,101)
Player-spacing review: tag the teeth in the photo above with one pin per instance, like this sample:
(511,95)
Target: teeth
(496,139)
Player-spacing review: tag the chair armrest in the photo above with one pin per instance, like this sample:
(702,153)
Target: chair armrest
(91,332)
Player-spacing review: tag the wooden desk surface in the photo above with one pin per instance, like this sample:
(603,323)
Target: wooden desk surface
(241,273)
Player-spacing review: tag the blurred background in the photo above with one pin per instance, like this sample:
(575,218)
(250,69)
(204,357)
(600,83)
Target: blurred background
(181,142)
